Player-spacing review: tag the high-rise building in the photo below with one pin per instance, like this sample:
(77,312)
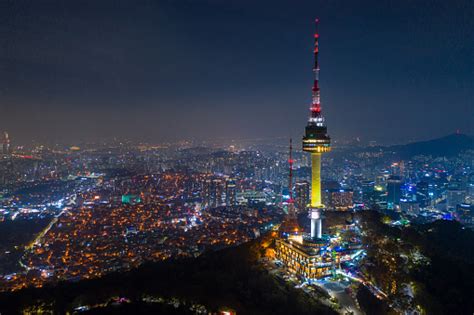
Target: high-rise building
(6,149)
(465,214)
(212,192)
(302,195)
(470,192)
(217,192)
(326,188)
(230,192)
(381,182)
(422,194)
(316,141)
(455,196)
(340,199)
(206,191)
(409,192)
(394,192)
(368,191)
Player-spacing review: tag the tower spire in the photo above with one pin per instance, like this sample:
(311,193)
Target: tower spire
(315,109)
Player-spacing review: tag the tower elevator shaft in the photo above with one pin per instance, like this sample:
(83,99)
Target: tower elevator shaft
(316,204)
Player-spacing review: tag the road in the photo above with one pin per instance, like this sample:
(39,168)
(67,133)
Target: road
(336,289)
(372,287)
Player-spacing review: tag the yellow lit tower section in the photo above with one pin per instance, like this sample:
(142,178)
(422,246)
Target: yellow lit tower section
(316,141)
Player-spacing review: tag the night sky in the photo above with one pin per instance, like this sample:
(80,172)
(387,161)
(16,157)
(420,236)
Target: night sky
(163,70)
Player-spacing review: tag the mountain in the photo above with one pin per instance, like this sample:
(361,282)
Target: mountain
(450,145)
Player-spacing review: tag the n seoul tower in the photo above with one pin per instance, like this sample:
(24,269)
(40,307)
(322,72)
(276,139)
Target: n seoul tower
(316,141)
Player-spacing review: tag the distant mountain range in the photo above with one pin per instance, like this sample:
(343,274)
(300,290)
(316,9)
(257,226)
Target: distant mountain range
(446,146)
(450,145)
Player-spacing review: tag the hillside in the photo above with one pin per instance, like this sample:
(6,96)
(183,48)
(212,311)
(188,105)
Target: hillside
(450,145)
(447,146)
(228,278)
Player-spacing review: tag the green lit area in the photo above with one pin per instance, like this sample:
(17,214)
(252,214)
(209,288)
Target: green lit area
(130,199)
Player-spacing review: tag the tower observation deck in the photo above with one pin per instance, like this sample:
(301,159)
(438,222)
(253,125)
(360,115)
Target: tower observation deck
(316,141)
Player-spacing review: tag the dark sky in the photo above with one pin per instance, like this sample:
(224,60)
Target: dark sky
(157,70)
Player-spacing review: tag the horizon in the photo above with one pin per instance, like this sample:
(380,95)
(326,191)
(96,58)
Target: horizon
(223,142)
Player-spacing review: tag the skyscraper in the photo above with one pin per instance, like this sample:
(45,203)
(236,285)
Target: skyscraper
(454,197)
(302,195)
(422,194)
(316,141)
(230,192)
(368,191)
(212,192)
(6,143)
(394,192)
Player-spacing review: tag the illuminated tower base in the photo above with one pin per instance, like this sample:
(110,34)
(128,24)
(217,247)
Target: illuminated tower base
(316,223)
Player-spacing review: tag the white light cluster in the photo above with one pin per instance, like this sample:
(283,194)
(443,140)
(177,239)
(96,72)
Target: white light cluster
(319,121)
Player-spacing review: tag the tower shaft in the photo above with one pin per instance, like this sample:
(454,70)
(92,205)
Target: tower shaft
(316,204)
(316,180)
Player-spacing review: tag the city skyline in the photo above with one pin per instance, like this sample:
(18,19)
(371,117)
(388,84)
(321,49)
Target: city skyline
(161,71)
(187,157)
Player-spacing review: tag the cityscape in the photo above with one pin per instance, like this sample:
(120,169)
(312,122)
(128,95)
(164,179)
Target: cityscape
(305,217)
